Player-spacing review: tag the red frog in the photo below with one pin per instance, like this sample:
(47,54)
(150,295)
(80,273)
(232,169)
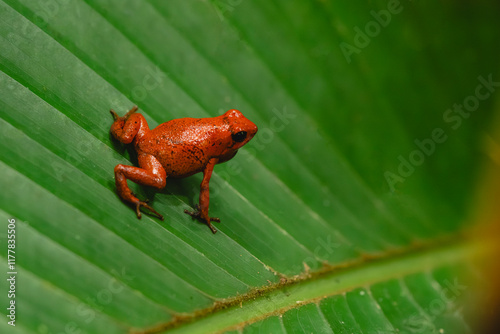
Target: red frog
(178,148)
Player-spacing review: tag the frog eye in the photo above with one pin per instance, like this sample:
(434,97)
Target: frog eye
(239,136)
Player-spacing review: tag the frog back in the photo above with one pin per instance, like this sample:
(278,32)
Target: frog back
(182,146)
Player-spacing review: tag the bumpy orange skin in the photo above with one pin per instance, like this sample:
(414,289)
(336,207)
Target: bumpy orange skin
(178,148)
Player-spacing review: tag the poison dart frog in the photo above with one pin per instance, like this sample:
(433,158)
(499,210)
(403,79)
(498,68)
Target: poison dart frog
(177,149)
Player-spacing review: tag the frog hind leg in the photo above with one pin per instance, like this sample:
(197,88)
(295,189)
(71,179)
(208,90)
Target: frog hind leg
(150,173)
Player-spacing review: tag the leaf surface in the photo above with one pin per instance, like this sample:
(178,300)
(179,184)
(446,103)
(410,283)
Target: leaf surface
(315,236)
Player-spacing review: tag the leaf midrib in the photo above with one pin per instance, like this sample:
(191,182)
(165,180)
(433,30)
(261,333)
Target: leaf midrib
(278,298)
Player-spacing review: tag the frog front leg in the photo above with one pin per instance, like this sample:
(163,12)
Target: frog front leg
(125,128)
(150,173)
(201,211)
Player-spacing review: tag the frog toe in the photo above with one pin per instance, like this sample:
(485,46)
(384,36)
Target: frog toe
(198,215)
(147,206)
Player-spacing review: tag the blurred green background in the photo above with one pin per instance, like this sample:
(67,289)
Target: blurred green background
(373,118)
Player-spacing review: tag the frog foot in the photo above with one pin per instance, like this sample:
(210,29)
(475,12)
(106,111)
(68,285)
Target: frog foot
(124,117)
(198,215)
(145,204)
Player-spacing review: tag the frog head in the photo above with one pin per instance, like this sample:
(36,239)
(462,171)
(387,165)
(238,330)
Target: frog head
(241,128)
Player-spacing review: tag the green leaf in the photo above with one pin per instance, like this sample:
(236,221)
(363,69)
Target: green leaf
(345,214)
